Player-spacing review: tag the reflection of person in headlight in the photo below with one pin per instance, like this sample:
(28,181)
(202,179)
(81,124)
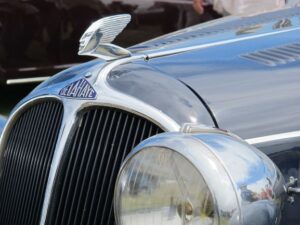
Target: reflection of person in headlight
(247,195)
(257,213)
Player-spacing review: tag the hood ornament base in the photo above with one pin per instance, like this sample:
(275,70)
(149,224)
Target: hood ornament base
(96,40)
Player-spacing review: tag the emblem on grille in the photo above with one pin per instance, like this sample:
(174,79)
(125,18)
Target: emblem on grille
(80,89)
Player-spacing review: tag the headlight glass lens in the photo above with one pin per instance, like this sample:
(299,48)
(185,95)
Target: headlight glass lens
(160,186)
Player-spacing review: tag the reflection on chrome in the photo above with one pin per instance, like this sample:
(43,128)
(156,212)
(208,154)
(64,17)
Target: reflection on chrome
(207,178)
(160,186)
(97,38)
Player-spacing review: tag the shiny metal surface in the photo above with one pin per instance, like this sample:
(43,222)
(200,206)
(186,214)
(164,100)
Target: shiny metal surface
(166,187)
(98,72)
(161,91)
(249,99)
(26,80)
(226,28)
(246,185)
(191,128)
(97,38)
(26,155)
(2,123)
(244,97)
(107,96)
(15,115)
(209,45)
(193,69)
(131,83)
(292,188)
(221,32)
(276,56)
(276,137)
(286,155)
(70,114)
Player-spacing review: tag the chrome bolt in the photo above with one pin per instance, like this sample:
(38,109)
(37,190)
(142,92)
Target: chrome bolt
(88,75)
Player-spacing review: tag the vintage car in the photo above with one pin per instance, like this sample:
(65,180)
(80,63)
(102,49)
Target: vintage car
(200,126)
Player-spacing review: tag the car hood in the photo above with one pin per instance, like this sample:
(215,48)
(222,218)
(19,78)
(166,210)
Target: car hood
(134,80)
(250,97)
(219,30)
(212,82)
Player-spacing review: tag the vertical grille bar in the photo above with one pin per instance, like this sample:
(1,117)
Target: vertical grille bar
(83,193)
(26,163)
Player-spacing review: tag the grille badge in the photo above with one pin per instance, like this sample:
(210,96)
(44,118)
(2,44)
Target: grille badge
(80,89)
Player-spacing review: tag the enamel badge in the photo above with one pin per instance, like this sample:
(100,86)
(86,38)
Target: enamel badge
(80,89)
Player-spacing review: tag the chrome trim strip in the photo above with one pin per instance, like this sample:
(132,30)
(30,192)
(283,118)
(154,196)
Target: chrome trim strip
(26,80)
(27,69)
(59,66)
(65,66)
(275,137)
(68,122)
(102,76)
(214,44)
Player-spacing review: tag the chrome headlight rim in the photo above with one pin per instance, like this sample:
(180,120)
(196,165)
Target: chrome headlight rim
(197,148)
(145,147)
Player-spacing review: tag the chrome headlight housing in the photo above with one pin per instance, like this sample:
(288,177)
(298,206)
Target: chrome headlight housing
(205,179)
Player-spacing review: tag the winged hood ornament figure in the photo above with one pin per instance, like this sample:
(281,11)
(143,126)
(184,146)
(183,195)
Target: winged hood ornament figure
(96,40)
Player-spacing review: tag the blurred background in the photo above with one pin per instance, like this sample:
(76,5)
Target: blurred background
(39,38)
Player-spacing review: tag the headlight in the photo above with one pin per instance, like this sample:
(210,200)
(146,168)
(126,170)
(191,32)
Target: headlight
(162,186)
(203,179)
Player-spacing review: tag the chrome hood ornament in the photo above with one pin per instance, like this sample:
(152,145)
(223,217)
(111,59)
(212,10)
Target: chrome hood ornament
(96,40)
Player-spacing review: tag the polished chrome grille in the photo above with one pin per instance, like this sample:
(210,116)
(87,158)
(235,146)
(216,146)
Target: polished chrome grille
(26,161)
(83,193)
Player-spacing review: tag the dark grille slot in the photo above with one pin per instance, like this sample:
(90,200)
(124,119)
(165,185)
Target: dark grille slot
(84,190)
(26,163)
